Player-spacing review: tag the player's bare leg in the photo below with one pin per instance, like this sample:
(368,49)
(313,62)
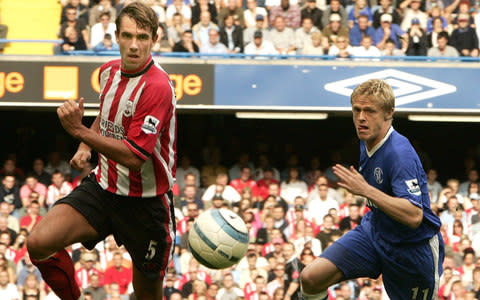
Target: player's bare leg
(146,289)
(317,277)
(62,226)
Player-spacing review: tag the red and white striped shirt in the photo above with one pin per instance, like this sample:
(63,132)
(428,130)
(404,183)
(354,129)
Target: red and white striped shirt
(138,107)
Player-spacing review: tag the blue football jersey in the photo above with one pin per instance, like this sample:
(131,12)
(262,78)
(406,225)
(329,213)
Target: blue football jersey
(395,169)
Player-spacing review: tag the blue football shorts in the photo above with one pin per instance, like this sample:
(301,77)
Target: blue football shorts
(410,271)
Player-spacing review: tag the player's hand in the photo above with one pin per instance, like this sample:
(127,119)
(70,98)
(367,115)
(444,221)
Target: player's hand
(350,179)
(70,114)
(80,159)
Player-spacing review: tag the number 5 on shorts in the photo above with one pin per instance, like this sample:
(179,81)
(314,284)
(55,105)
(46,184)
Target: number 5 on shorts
(152,247)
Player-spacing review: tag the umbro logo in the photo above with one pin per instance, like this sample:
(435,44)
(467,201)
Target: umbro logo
(407,87)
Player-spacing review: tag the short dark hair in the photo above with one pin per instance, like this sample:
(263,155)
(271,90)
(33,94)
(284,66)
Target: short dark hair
(443,34)
(144,16)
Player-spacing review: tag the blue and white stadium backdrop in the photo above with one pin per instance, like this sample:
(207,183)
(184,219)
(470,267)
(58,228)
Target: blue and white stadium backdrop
(330,86)
(251,84)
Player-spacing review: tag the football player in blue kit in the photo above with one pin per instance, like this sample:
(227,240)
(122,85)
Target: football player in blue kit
(399,238)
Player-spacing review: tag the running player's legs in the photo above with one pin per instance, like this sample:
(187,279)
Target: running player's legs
(413,272)
(62,226)
(146,228)
(352,256)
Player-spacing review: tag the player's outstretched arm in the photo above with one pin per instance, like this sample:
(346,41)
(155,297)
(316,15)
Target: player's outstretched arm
(399,209)
(70,115)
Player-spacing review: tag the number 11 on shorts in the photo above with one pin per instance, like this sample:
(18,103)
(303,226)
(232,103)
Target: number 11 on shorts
(152,247)
(415,293)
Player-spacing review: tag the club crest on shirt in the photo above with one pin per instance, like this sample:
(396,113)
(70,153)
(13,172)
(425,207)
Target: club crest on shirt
(127,112)
(378,173)
(150,124)
(413,187)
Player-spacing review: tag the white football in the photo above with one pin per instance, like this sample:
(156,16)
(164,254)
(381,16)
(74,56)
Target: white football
(218,238)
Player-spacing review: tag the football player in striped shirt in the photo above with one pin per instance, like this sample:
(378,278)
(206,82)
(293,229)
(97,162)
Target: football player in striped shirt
(128,193)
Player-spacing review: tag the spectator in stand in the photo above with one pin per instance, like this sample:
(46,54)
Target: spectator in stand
(335,8)
(32,185)
(352,220)
(472,177)
(459,7)
(33,216)
(341,49)
(179,6)
(32,289)
(417,39)
(464,38)
(442,50)
(411,10)
(5,212)
(158,8)
(310,10)
(387,30)
(10,192)
(361,29)
(102,7)
(187,174)
(366,49)
(229,290)
(201,30)
(8,291)
(10,168)
(58,189)
(328,232)
(201,6)
(221,188)
(265,181)
(231,36)
(5,229)
(245,180)
(360,8)
(162,44)
(280,280)
(386,8)
(318,46)
(176,29)
(118,274)
(26,269)
(335,29)
(38,169)
(72,42)
(186,44)
(56,163)
(191,215)
(437,27)
(303,34)
(87,268)
(190,196)
(280,221)
(293,267)
(106,44)
(319,206)
(293,187)
(233,9)
(252,12)
(290,13)
(436,13)
(104,25)
(250,31)
(96,290)
(81,11)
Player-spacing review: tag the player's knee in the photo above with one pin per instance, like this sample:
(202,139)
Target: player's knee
(307,281)
(35,247)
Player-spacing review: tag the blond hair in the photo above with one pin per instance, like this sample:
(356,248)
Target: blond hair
(378,90)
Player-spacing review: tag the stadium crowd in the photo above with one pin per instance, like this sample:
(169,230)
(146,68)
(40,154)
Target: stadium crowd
(292,215)
(338,28)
